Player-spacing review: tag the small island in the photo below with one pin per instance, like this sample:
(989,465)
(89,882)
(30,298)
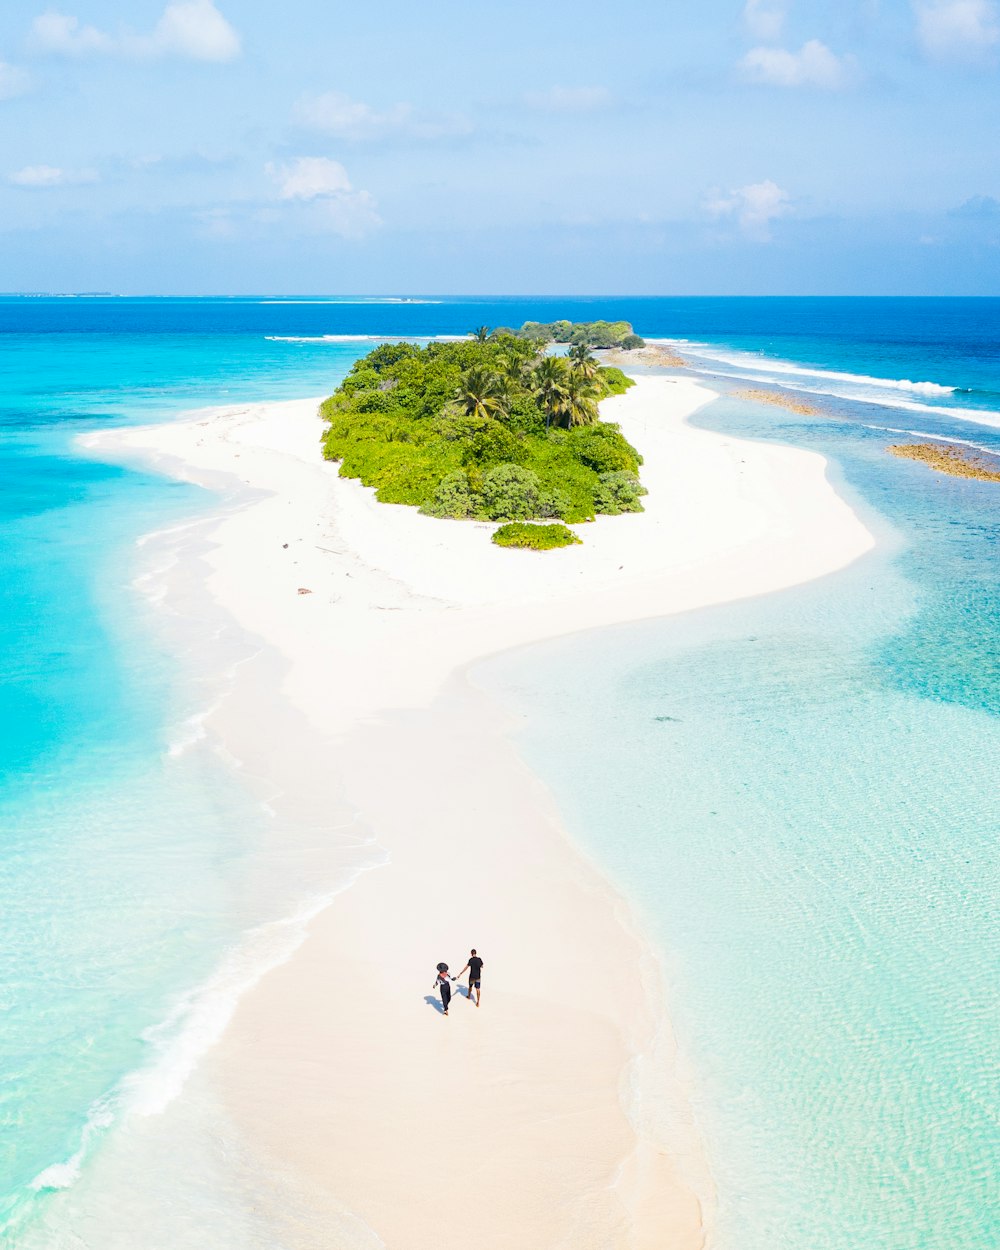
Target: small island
(491,428)
(597,334)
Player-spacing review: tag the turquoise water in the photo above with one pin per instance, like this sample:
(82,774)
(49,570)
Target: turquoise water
(128,851)
(797,791)
(800,794)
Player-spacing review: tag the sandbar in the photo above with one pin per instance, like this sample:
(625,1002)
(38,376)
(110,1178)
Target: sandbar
(526,1122)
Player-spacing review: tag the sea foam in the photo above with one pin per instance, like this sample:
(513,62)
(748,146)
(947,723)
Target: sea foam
(193,1026)
(743,360)
(832,384)
(200,1017)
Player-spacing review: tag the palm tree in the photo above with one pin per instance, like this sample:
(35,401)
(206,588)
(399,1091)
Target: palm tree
(551,376)
(579,353)
(481,334)
(583,362)
(480,393)
(579,405)
(513,370)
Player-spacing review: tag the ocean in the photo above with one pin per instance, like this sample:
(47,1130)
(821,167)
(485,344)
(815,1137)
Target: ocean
(798,792)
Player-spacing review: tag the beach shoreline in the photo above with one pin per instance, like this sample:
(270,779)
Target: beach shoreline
(377,613)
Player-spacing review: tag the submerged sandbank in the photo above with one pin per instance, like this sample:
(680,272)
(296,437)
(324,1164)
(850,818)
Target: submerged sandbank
(343,1076)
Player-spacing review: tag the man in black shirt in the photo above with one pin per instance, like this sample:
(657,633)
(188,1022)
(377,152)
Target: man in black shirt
(475,967)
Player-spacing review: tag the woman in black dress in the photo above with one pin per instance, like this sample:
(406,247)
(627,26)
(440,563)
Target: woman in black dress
(443,983)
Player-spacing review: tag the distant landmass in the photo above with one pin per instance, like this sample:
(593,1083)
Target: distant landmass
(58,295)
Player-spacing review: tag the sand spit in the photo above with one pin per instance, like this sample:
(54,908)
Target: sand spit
(338,1066)
(651,354)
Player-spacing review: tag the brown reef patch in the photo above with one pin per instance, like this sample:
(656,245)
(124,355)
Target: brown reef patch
(956,461)
(780,400)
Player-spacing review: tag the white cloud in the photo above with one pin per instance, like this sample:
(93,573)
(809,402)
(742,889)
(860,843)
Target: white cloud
(754,207)
(764,19)
(337,114)
(41,176)
(957,27)
(13,81)
(309,177)
(325,184)
(569,99)
(814,65)
(197,29)
(61,33)
(186,28)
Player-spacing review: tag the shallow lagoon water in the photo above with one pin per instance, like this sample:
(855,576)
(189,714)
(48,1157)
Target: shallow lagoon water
(796,791)
(799,793)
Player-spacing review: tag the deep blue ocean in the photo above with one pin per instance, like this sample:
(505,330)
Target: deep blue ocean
(799,792)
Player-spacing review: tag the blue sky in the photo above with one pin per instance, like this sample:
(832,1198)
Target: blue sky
(731,147)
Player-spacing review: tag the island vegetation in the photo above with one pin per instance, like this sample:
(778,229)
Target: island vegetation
(955,461)
(490,428)
(598,334)
(534,537)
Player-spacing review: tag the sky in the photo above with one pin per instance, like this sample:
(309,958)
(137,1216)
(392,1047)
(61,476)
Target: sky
(730,147)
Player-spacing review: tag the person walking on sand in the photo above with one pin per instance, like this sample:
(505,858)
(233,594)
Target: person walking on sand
(475,967)
(443,982)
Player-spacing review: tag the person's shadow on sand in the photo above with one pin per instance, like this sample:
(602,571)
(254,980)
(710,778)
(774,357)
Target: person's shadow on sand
(435,1002)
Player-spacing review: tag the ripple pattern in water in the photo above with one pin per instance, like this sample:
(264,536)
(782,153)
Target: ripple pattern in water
(800,792)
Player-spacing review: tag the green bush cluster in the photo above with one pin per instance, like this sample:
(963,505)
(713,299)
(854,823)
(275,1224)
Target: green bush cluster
(534,537)
(616,381)
(488,429)
(589,333)
(619,492)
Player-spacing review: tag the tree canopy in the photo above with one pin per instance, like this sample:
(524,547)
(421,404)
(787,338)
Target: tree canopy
(579,333)
(490,427)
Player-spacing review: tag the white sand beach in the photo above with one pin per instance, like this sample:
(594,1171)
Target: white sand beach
(521,1123)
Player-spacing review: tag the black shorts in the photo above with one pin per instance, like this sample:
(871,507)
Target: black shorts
(477,984)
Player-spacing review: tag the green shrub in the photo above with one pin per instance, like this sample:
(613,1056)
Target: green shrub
(400,472)
(375,401)
(346,430)
(601,333)
(604,448)
(387,354)
(510,493)
(453,497)
(631,341)
(554,502)
(366,379)
(534,537)
(619,492)
(494,444)
(614,381)
(524,415)
(536,332)
(559,470)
